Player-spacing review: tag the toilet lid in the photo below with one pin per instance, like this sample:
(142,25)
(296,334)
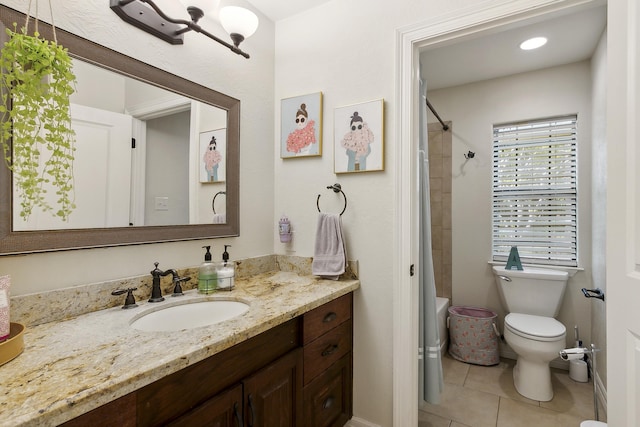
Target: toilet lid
(538,327)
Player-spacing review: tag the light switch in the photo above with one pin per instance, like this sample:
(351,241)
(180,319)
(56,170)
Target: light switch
(162,203)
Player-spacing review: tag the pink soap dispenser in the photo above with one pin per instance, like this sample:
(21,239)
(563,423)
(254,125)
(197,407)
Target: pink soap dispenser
(284,229)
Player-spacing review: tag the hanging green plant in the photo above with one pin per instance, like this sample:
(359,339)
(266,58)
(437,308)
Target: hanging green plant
(36,134)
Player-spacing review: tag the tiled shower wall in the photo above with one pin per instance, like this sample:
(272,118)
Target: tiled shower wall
(440,142)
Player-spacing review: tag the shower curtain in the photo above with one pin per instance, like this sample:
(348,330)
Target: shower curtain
(431,379)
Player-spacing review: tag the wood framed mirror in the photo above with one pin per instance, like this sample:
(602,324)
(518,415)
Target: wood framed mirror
(20,240)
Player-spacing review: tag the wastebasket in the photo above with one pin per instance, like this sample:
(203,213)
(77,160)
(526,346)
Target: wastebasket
(473,335)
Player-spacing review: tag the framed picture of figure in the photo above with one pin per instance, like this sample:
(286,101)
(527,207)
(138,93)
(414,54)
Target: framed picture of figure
(301,126)
(359,137)
(213,150)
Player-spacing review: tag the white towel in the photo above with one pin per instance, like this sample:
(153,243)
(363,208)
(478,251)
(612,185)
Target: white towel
(219,218)
(330,256)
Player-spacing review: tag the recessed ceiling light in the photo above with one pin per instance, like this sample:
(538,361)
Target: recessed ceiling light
(533,43)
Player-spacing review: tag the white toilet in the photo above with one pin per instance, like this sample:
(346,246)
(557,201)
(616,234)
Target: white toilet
(532,298)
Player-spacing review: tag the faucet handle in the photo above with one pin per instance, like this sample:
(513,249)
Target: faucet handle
(177,287)
(130,300)
(156,271)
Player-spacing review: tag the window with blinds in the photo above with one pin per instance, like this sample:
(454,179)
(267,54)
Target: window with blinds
(534,197)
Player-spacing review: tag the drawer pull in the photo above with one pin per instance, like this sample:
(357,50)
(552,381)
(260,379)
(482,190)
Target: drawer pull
(330,350)
(237,415)
(328,402)
(330,317)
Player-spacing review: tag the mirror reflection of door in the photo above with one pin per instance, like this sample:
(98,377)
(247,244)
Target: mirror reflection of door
(155,183)
(102,174)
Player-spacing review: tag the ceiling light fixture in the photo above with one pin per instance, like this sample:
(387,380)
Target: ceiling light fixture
(533,43)
(239,22)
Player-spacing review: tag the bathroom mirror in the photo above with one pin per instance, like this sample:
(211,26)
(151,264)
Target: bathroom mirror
(203,114)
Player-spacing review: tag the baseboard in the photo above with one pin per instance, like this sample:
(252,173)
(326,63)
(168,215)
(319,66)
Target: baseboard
(601,394)
(359,422)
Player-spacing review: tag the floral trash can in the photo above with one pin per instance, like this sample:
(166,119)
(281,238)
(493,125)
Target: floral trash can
(473,335)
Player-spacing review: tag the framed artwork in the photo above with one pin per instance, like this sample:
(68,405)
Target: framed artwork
(359,137)
(213,154)
(301,126)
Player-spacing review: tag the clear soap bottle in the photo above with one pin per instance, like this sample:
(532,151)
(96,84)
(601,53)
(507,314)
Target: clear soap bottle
(226,272)
(207,274)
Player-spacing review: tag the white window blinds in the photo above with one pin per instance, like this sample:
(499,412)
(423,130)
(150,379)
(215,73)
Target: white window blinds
(535,191)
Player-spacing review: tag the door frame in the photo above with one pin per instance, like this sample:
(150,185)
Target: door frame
(410,41)
(623,220)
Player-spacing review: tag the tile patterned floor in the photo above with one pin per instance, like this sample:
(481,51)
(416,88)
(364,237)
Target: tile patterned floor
(484,396)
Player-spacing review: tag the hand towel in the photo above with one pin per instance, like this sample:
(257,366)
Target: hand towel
(219,218)
(330,255)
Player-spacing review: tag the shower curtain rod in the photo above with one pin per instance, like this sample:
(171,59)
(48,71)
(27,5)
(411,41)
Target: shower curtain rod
(444,127)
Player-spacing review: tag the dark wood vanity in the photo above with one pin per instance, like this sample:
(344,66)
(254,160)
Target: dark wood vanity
(298,373)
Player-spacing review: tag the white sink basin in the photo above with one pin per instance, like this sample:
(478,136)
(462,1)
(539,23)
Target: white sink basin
(189,315)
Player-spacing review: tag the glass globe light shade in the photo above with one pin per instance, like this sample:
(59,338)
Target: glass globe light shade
(238,20)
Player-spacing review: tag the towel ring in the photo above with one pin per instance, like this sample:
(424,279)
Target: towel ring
(337,188)
(213,202)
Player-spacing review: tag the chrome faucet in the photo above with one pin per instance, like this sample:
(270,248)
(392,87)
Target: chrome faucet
(156,291)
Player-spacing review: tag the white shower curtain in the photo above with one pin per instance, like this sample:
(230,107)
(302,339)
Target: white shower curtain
(432,378)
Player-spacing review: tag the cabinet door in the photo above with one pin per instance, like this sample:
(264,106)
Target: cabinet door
(328,398)
(273,395)
(222,410)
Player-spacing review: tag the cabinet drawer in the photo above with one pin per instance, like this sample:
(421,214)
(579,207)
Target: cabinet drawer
(326,350)
(327,399)
(327,316)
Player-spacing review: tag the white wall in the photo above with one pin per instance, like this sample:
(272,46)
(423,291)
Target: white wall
(347,50)
(109,95)
(598,202)
(207,63)
(473,110)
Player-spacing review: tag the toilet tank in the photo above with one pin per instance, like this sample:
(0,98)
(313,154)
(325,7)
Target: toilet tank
(537,291)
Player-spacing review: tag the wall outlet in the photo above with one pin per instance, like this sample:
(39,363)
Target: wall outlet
(162,203)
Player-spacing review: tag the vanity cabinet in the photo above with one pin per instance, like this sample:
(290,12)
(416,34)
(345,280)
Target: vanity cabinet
(271,396)
(298,373)
(328,363)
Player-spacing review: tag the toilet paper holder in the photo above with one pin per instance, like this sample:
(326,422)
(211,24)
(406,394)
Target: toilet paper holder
(574,353)
(579,353)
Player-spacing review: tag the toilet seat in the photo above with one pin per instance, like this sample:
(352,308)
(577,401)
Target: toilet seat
(538,328)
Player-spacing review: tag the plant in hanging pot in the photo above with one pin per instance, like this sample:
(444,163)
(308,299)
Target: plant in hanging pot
(36,134)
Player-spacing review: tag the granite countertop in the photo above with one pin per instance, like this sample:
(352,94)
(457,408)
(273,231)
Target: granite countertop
(72,366)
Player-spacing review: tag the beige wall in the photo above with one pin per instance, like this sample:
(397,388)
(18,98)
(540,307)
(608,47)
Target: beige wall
(440,143)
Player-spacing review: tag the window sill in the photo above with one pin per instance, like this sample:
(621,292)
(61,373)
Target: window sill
(571,270)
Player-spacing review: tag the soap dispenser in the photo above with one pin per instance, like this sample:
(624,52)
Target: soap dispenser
(284,229)
(207,274)
(226,272)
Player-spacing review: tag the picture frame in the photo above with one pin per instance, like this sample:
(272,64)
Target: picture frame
(301,126)
(359,137)
(213,155)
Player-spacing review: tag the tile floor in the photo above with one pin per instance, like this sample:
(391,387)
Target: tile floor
(479,396)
